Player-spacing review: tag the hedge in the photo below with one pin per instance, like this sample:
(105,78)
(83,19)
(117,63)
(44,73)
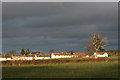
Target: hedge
(56,61)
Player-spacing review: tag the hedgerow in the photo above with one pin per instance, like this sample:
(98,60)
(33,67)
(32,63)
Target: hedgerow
(56,61)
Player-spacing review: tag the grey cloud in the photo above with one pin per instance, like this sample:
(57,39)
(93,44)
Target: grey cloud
(45,9)
(44,14)
(62,26)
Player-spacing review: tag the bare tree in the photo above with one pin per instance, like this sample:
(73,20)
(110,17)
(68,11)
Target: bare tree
(96,43)
(10,53)
(52,51)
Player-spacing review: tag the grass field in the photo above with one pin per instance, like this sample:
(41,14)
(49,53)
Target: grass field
(110,57)
(80,70)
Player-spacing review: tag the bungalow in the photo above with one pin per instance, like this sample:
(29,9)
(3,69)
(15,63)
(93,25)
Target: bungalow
(22,57)
(61,55)
(4,58)
(85,56)
(80,55)
(38,58)
(101,54)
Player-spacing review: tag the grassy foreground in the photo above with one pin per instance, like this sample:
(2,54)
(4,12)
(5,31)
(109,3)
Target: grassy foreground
(80,70)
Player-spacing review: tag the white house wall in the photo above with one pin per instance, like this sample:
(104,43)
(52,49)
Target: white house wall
(61,56)
(37,58)
(22,58)
(98,55)
(4,59)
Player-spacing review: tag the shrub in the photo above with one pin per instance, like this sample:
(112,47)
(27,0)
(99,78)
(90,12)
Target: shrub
(56,61)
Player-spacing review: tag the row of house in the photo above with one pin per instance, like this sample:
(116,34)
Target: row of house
(54,56)
(23,58)
(67,55)
(61,55)
(64,55)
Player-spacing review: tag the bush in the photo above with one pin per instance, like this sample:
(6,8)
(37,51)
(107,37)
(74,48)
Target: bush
(55,61)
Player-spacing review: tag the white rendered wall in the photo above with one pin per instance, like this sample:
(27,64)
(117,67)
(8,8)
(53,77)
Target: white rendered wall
(61,56)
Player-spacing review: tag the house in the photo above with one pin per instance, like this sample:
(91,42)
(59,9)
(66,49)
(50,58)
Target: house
(23,57)
(85,56)
(100,54)
(4,58)
(61,55)
(30,57)
(80,55)
(38,58)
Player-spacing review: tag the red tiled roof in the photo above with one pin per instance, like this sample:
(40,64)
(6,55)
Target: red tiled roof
(60,54)
(84,55)
(80,54)
(101,53)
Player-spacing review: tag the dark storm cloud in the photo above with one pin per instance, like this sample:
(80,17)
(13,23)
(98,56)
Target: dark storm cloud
(60,14)
(57,25)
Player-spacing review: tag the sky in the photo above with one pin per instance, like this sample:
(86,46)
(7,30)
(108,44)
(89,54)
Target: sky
(60,1)
(62,26)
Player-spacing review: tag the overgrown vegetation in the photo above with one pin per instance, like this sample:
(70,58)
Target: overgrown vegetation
(59,61)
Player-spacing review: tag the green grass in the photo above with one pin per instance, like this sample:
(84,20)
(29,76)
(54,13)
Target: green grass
(81,70)
(114,57)
(110,57)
